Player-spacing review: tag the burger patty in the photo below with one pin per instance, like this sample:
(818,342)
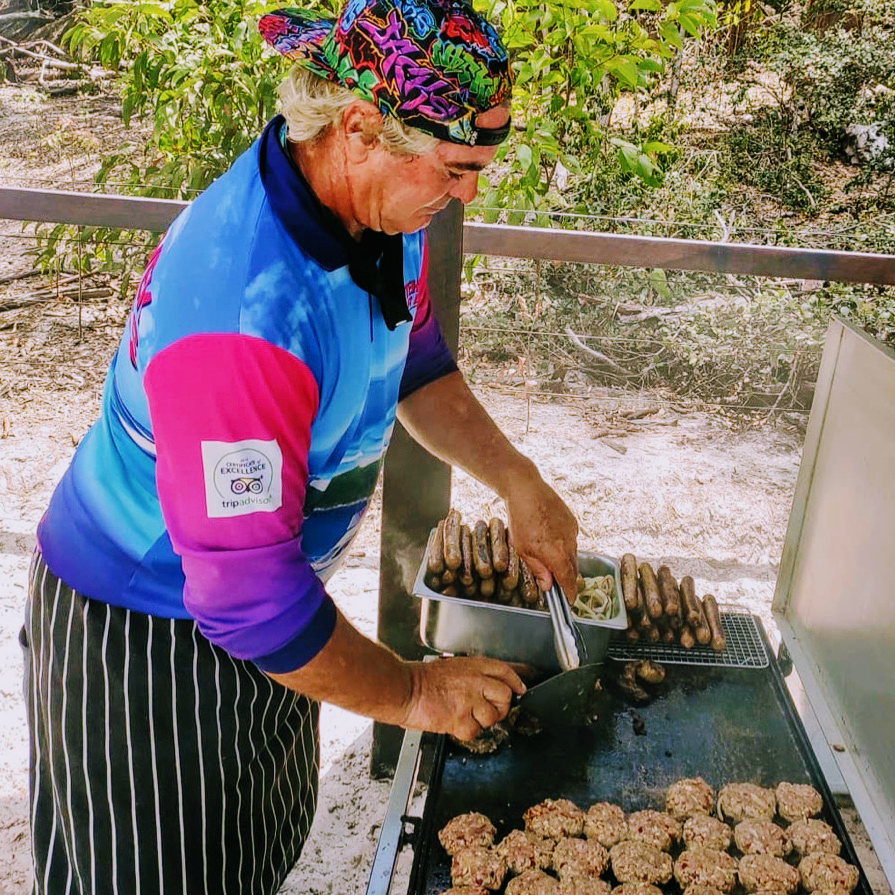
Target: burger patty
(812,835)
(554,819)
(605,823)
(684,798)
(706,832)
(476,866)
(634,861)
(698,889)
(579,857)
(523,851)
(798,801)
(582,885)
(466,830)
(466,890)
(761,837)
(825,871)
(636,889)
(761,873)
(702,867)
(654,827)
(533,882)
(741,801)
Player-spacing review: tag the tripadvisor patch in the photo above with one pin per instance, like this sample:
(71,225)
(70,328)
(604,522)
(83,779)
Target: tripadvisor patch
(242,477)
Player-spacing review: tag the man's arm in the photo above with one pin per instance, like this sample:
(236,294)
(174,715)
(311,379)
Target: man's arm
(460,696)
(448,420)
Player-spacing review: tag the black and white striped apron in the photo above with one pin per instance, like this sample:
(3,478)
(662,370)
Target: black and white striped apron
(160,765)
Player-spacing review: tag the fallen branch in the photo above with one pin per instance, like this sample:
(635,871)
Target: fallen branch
(596,355)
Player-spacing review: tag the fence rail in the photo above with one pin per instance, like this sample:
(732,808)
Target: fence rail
(133,213)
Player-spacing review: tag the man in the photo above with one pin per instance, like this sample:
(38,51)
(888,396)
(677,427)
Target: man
(179,635)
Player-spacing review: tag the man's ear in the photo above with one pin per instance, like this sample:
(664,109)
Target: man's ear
(361,127)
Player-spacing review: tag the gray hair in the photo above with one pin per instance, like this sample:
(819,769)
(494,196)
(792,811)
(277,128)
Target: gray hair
(311,104)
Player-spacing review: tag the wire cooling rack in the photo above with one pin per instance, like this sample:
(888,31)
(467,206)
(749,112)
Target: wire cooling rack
(744,649)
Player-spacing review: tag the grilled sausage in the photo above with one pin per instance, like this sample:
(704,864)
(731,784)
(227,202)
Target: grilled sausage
(487,586)
(651,598)
(630,590)
(510,579)
(670,595)
(648,630)
(435,549)
(481,550)
(713,617)
(431,580)
(500,555)
(703,634)
(691,608)
(529,585)
(470,590)
(688,640)
(453,557)
(448,577)
(633,635)
(451,591)
(466,570)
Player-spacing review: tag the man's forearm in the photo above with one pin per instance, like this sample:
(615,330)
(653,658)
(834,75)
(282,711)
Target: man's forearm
(448,420)
(356,674)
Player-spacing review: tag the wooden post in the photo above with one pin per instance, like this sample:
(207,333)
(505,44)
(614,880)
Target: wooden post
(416,490)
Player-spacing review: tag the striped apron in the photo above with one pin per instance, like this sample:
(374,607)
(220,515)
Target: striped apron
(159,764)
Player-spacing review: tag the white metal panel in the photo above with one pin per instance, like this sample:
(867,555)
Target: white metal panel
(835,596)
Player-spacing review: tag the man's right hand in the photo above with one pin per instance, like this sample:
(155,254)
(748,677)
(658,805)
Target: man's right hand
(460,696)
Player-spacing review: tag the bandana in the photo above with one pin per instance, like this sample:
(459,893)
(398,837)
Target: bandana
(433,64)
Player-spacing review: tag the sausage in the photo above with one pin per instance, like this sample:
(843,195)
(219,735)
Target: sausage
(670,596)
(688,641)
(487,587)
(451,591)
(691,608)
(453,557)
(651,598)
(633,635)
(435,549)
(703,634)
(627,682)
(529,585)
(510,580)
(648,630)
(713,617)
(630,590)
(481,550)
(502,595)
(448,577)
(466,571)
(500,554)
(432,581)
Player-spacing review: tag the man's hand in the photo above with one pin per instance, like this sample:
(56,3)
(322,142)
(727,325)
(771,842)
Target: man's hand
(461,696)
(544,532)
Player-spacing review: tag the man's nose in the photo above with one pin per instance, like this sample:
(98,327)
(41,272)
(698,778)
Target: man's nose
(467,187)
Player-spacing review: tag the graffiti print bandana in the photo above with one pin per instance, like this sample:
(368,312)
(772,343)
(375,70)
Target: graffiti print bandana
(433,64)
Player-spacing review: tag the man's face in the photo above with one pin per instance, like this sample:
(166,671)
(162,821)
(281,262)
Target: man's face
(410,190)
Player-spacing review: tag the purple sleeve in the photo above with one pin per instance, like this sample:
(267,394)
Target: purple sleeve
(232,415)
(428,356)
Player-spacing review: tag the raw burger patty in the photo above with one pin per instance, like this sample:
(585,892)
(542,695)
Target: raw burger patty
(465,830)
(685,798)
(761,873)
(579,857)
(798,801)
(554,819)
(605,823)
(740,801)
(525,851)
(639,862)
(761,837)
(533,882)
(699,866)
(636,889)
(707,832)
(655,828)
(812,835)
(476,866)
(823,871)
(580,885)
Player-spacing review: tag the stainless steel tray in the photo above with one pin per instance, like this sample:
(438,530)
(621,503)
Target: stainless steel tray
(463,626)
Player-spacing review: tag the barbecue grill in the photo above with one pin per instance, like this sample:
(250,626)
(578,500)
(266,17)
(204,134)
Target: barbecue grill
(726,717)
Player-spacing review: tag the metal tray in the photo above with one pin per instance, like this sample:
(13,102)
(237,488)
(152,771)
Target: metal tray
(471,627)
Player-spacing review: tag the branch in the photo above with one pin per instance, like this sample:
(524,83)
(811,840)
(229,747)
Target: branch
(596,355)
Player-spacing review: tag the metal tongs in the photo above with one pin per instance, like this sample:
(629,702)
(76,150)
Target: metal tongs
(570,648)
